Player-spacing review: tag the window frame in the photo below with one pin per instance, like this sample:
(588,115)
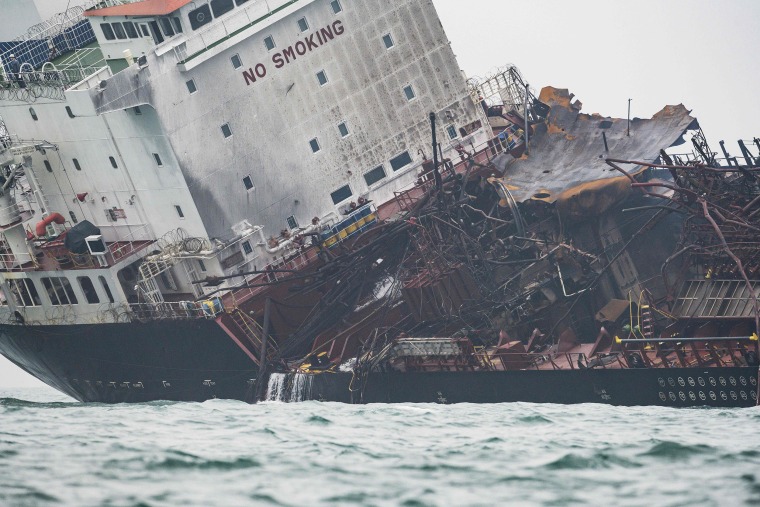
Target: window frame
(179,211)
(270,39)
(338,202)
(157,160)
(409,89)
(401,155)
(239,60)
(336,3)
(191,86)
(315,142)
(246,184)
(381,167)
(388,37)
(452,128)
(322,75)
(343,124)
(76,164)
(227,134)
(305,23)
(85,292)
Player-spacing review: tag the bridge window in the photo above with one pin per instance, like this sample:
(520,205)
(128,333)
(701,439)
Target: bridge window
(106,288)
(88,289)
(158,38)
(24,292)
(247,247)
(59,291)
(177,24)
(129,27)
(452,131)
(200,16)
(166,26)
(107,31)
(220,7)
(240,2)
(292,222)
(401,161)
(119,31)
(341,194)
(336,7)
(375,175)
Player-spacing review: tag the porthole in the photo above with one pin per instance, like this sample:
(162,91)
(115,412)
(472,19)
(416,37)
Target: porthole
(681,381)
(661,381)
(691,382)
(743,394)
(662,396)
(713,382)
(723,396)
(732,380)
(682,396)
(734,396)
(671,382)
(722,381)
(672,396)
(701,381)
(712,395)
(743,381)
(702,395)
(692,396)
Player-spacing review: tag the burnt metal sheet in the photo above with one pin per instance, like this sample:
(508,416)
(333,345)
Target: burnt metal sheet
(568,151)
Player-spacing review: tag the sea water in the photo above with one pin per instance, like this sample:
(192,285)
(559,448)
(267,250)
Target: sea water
(54,451)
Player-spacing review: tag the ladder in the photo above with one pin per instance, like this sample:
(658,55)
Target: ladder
(252,332)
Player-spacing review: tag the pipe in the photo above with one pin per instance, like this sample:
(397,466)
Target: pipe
(41,226)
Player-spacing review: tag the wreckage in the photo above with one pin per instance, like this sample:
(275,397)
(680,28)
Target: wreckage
(593,267)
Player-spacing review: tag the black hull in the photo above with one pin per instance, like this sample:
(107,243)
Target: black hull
(671,387)
(133,362)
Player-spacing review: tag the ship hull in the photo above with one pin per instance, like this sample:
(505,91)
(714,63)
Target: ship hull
(133,362)
(672,387)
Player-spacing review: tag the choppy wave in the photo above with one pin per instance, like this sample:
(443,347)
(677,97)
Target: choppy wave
(56,452)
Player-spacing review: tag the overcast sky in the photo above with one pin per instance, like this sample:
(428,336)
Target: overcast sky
(696,52)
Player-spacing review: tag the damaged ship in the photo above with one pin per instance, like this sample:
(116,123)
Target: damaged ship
(464,240)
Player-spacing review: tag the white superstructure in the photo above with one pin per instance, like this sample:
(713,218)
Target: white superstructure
(242,124)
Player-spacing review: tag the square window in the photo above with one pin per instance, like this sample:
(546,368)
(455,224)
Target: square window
(452,131)
(314,143)
(202,265)
(157,158)
(402,160)
(341,194)
(322,78)
(336,7)
(226,130)
(303,25)
(137,110)
(248,182)
(179,211)
(269,43)
(247,247)
(409,92)
(375,175)
(343,129)
(191,86)
(388,41)
(236,61)
(292,222)
(76,164)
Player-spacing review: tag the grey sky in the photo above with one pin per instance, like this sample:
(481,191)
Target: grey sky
(657,52)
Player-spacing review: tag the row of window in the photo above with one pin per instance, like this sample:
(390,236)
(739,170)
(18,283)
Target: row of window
(371,177)
(158,29)
(58,288)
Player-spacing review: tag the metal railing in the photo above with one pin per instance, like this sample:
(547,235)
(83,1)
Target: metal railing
(179,310)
